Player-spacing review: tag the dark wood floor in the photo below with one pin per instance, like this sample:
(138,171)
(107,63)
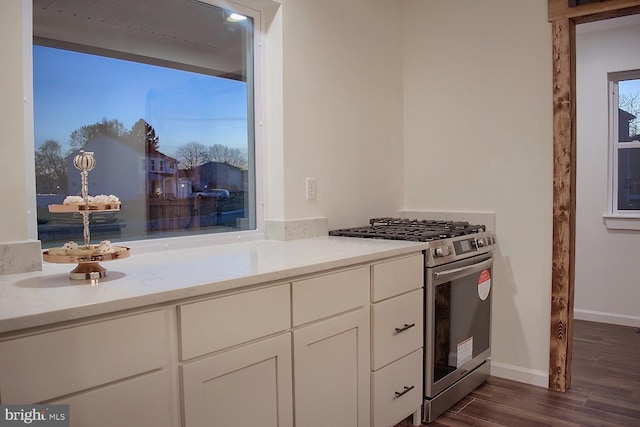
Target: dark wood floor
(605,388)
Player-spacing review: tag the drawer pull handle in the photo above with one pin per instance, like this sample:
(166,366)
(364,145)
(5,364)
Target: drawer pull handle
(403,392)
(399,330)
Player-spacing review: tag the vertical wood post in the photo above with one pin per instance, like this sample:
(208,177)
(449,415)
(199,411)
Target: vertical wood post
(564,200)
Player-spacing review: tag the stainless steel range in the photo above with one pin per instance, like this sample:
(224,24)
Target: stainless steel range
(457,292)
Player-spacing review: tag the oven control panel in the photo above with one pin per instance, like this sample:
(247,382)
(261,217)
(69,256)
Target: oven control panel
(448,250)
(466,245)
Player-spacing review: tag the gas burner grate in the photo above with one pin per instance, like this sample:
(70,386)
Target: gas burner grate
(410,229)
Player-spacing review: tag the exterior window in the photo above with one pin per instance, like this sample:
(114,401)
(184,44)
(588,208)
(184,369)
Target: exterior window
(143,88)
(625,141)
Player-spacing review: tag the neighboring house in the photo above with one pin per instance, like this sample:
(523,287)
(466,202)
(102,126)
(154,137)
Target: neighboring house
(218,175)
(624,120)
(162,176)
(126,172)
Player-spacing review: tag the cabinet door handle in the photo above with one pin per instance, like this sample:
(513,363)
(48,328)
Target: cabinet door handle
(403,392)
(404,328)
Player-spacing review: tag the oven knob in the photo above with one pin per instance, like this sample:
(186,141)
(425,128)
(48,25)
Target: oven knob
(442,251)
(480,243)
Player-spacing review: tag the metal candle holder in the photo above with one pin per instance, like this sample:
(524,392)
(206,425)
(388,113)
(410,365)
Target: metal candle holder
(85,162)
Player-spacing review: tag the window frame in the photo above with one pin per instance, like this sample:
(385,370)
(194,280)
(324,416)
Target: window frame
(618,219)
(256,91)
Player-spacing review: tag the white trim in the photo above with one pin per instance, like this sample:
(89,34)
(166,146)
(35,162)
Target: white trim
(522,375)
(612,176)
(610,318)
(622,222)
(615,145)
(29,139)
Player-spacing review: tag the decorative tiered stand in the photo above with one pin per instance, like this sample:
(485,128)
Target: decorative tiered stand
(88,267)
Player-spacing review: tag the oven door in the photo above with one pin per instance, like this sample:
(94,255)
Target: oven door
(458,320)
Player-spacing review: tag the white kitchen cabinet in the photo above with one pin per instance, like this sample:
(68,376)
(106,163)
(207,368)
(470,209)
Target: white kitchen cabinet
(96,368)
(397,335)
(331,372)
(144,401)
(397,391)
(327,295)
(236,353)
(318,350)
(222,322)
(397,326)
(246,386)
(397,276)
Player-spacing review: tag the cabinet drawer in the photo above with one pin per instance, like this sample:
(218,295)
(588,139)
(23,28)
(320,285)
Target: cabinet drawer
(41,367)
(392,333)
(325,296)
(396,277)
(403,377)
(212,325)
(115,404)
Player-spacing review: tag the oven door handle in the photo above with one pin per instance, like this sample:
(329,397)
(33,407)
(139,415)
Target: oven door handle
(462,271)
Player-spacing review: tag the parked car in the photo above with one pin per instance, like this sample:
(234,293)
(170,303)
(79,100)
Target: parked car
(216,193)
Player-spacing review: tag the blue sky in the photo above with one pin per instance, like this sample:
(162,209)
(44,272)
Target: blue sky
(629,86)
(74,89)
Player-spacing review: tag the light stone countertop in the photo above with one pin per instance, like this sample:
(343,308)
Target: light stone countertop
(49,296)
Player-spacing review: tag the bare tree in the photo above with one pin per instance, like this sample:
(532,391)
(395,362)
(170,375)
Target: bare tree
(223,154)
(192,155)
(111,128)
(630,102)
(51,169)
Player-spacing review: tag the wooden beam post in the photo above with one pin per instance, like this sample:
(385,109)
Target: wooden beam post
(564,201)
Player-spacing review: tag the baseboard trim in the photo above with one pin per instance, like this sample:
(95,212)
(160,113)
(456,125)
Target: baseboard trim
(610,318)
(523,375)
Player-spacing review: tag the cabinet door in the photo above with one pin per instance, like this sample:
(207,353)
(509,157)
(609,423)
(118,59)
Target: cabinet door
(331,372)
(247,386)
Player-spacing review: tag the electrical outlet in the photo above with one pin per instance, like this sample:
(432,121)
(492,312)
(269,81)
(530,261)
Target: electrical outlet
(311,189)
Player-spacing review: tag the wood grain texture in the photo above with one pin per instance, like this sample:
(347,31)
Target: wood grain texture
(563,204)
(604,392)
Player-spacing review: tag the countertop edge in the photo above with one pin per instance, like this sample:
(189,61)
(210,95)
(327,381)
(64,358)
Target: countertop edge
(30,320)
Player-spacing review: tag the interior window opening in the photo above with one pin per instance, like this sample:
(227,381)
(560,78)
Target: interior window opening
(163,95)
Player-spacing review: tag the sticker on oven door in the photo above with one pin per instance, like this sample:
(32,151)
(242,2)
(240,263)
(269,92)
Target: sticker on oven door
(484,284)
(465,352)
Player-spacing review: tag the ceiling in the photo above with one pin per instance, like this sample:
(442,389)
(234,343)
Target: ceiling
(180,31)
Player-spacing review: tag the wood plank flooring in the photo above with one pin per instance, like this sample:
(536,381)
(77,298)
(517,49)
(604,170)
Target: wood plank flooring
(605,388)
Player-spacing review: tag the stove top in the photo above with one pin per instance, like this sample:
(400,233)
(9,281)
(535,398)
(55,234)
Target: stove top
(447,241)
(410,229)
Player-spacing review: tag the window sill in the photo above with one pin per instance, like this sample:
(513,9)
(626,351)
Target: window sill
(622,222)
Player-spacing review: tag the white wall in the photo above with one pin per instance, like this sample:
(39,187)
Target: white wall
(478,137)
(607,267)
(342,108)
(14,226)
